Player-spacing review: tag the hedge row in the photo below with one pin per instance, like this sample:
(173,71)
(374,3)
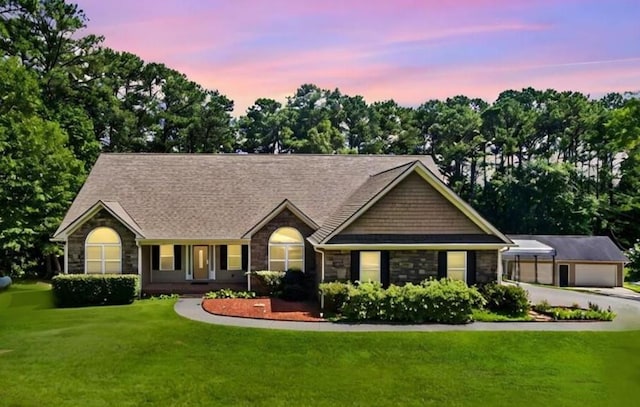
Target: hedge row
(440,301)
(78,290)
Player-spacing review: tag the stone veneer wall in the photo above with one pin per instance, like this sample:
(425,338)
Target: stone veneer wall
(412,266)
(260,241)
(337,265)
(486,266)
(102,218)
(409,266)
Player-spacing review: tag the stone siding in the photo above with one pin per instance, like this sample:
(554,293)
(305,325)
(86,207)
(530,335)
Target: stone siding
(77,240)
(337,265)
(260,241)
(412,266)
(486,266)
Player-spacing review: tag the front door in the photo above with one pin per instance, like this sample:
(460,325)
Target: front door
(200,262)
(564,275)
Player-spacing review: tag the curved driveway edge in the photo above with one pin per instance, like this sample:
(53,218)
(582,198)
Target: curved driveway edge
(628,317)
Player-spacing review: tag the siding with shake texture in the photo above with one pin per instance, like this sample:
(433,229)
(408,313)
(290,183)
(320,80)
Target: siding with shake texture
(413,206)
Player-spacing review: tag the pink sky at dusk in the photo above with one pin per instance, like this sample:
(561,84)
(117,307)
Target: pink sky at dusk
(409,51)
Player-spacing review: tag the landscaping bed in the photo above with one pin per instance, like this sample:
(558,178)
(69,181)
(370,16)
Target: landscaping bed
(263,308)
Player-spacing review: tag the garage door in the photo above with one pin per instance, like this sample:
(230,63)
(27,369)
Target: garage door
(528,273)
(597,275)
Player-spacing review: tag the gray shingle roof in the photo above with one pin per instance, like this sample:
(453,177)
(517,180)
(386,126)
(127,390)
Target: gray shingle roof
(220,196)
(367,191)
(572,247)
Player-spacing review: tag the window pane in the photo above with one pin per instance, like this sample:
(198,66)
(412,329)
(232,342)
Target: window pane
(103,235)
(166,263)
(94,253)
(277,252)
(166,250)
(276,266)
(295,252)
(94,267)
(286,235)
(456,274)
(112,253)
(234,250)
(369,275)
(370,260)
(295,265)
(456,259)
(234,263)
(112,267)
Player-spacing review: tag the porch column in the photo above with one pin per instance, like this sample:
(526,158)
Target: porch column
(500,267)
(535,266)
(66,256)
(249,267)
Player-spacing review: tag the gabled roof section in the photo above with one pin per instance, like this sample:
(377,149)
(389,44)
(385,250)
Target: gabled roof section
(379,185)
(367,191)
(286,204)
(579,247)
(222,196)
(114,208)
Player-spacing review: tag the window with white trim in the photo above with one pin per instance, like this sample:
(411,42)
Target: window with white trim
(370,266)
(457,265)
(286,250)
(166,257)
(103,252)
(234,257)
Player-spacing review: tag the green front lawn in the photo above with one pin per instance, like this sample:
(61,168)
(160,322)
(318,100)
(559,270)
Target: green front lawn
(632,287)
(144,354)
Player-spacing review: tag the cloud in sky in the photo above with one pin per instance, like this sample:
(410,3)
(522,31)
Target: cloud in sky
(407,50)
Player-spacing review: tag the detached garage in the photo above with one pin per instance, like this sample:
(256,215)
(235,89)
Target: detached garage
(588,261)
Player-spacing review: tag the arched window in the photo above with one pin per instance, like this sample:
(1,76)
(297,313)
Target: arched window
(103,252)
(286,250)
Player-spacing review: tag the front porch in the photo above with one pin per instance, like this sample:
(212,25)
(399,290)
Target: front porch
(189,287)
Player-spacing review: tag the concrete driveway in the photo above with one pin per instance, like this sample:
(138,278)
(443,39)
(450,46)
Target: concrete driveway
(627,309)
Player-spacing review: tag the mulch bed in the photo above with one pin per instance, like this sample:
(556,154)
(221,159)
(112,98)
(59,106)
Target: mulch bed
(263,308)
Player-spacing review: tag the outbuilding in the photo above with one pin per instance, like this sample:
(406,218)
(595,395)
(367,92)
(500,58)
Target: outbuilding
(565,260)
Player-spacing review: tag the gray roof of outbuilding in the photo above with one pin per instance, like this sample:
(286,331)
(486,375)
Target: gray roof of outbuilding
(221,196)
(578,247)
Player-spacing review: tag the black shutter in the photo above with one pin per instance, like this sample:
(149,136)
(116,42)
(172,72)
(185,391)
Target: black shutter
(442,265)
(471,267)
(177,257)
(223,257)
(355,265)
(245,257)
(385,275)
(155,257)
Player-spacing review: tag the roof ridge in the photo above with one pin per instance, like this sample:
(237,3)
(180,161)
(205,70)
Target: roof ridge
(410,163)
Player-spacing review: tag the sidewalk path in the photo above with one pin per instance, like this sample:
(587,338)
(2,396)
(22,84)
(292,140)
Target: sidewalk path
(628,317)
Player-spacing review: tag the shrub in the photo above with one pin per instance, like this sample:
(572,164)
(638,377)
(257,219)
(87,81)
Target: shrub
(335,294)
(510,300)
(633,254)
(77,290)
(542,307)
(271,280)
(442,301)
(229,293)
(564,314)
(295,285)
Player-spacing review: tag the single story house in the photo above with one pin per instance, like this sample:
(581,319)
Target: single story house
(565,261)
(196,222)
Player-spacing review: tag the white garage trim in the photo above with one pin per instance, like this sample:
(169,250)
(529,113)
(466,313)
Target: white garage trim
(602,275)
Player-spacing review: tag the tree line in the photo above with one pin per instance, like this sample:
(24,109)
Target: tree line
(533,161)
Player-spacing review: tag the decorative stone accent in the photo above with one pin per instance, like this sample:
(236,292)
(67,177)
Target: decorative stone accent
(412,266)
(486,266)
(102,218)
(260,241)
(337,265)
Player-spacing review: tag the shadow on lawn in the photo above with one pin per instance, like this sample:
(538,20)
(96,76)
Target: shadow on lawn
(23,296)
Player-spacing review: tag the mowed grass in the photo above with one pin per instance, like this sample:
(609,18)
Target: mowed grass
(632,287)
(144,354)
